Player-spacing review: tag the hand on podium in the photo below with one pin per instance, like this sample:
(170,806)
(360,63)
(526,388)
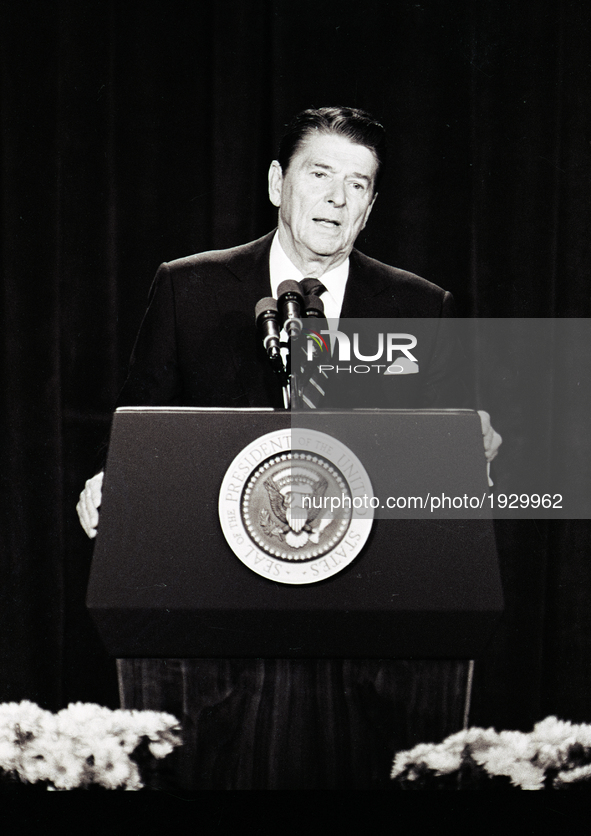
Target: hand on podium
(492,440)
(89,503)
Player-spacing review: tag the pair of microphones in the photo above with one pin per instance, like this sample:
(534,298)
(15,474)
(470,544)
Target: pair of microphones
(285,312)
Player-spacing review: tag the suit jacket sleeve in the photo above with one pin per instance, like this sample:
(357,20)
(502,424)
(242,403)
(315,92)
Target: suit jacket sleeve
(154,377)
(446,373)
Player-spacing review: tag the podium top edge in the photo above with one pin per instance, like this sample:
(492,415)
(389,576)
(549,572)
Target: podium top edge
(195,409)
(265,409)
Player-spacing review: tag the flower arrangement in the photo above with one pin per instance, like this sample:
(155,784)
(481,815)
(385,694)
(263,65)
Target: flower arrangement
(81,746)
(555,755)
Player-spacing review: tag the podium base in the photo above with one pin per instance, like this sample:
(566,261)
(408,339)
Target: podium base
(296,724)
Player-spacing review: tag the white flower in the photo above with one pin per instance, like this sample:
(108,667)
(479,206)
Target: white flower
(477,738)
(552,731)
(550,756)
(25,713)
(527,776)
(442,761)
(161,748)
(570,776)
(519,743)
(112,767)
(523,758)
(410,757)
(439,758)
(82,744)
(65,770)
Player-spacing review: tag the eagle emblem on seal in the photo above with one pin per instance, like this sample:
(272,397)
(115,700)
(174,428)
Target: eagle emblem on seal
(295,498)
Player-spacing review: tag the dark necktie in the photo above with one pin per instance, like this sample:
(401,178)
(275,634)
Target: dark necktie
(312,287)
(312,389)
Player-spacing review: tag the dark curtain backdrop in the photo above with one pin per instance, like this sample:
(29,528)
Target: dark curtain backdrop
(137,133)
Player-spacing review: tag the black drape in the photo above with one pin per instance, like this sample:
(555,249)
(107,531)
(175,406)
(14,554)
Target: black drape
(137,133)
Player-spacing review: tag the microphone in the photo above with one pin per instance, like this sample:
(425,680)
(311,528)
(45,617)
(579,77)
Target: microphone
(314,307)
(267,320)
(290,302)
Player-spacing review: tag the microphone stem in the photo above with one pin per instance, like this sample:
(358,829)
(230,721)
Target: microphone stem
(295,400)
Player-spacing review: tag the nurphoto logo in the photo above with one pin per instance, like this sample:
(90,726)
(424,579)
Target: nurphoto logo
(395,350)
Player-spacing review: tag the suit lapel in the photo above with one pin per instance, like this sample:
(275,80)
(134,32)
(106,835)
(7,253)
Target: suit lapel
(249,264)
(366,282)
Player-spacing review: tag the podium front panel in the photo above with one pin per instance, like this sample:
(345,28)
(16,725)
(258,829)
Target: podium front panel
(165,583)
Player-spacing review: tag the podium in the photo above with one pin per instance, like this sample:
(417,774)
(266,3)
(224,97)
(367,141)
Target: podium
(303,685)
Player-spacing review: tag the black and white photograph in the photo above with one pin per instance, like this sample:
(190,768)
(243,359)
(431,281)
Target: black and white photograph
(295,468)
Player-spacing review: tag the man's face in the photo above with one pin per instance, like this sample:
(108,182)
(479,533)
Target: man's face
(324,197)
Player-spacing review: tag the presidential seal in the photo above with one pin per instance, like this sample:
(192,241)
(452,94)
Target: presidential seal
(295,506)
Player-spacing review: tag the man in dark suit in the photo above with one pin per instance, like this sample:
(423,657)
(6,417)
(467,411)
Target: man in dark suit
(198,346)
